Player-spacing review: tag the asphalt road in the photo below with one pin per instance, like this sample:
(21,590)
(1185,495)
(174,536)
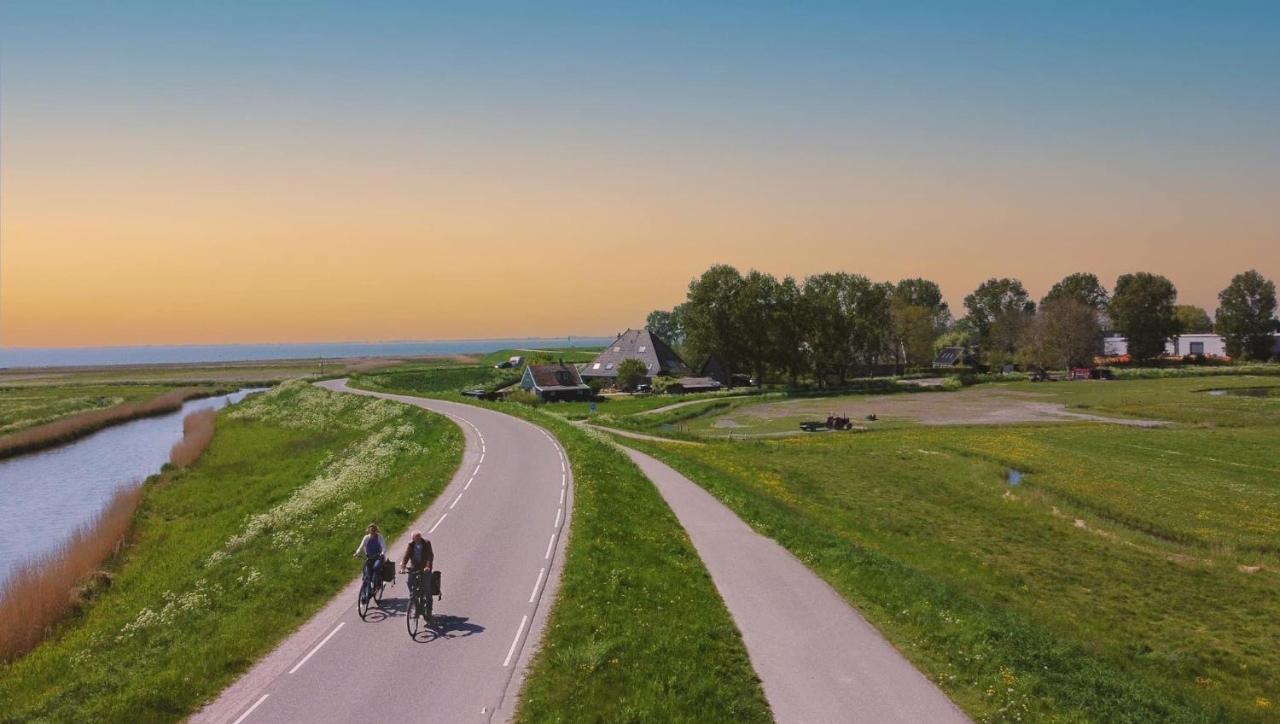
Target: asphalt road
(818,658)
(497,532)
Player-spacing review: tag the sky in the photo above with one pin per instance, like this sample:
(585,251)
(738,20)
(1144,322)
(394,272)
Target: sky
(283,172)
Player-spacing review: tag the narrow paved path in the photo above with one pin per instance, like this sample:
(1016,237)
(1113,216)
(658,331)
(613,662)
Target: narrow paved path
(687,403)
(497,531)
(818,658)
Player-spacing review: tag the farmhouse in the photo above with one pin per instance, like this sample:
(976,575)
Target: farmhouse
(1207,345)
(658,357)
(555,382)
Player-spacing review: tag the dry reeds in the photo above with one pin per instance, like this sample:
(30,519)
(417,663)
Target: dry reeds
(41,590)
(197,433)
(76,426)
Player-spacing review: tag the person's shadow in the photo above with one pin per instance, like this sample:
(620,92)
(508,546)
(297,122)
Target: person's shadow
(447,627)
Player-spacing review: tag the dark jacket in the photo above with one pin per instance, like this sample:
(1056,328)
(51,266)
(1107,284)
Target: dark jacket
(428,558)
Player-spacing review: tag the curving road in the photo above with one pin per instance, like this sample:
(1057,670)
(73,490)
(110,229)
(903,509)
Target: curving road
(497,531)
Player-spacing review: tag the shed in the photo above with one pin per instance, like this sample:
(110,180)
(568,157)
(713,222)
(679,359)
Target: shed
(555,382)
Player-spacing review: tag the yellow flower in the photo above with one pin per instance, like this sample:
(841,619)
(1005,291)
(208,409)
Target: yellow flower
(1262,702)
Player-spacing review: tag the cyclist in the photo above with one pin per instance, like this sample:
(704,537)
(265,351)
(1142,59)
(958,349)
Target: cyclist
(418,560)
(372,546)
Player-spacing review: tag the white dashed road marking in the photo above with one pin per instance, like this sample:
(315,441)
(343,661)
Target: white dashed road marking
(317,648)
(511,651)
(550,543)
(250,710)
(437,525)
(541,572)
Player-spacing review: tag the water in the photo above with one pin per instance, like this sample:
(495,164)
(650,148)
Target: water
(1248,392)
(190,354)
(46,495)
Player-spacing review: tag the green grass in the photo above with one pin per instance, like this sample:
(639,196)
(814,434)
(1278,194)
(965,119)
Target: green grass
(437,379)
(231,555)
(570,355)
(23,407)
(1118,582)
(1182,399)
(638,632)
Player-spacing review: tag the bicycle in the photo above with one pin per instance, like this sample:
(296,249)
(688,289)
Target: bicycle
(371,589)
(419,600)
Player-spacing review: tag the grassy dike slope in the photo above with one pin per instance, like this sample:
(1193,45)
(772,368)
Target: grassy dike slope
(231,555)
(638,632)
(1131,576)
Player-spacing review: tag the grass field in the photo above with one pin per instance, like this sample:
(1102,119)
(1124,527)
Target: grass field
(230,555)
(638,632)
(1132,574)
(23,407)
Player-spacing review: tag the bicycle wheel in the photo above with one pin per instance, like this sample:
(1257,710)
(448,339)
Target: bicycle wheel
(411,618)
(378,590)
(362,604)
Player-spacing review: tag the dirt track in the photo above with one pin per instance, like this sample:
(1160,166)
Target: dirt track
(982,405)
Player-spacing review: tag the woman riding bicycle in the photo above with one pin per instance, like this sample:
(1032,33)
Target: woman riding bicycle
(373,545)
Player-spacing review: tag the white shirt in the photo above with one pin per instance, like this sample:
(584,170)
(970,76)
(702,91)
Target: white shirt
(365,542)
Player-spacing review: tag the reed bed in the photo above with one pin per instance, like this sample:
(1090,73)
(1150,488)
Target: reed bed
(197,433)
(76,426)
(47,586)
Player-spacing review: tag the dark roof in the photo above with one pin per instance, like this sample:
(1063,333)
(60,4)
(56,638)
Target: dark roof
(699,383)
(953,356)
(556,377)
(639,344)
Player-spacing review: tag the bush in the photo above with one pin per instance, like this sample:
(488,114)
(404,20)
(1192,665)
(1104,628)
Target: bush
(631,372)
(523,397)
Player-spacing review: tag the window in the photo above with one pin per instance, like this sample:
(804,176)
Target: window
(642,349)
(617,349)
(595,366)
(609,366)
(1197,348)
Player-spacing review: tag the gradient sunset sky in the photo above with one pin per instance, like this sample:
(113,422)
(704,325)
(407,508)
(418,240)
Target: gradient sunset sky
(276,172)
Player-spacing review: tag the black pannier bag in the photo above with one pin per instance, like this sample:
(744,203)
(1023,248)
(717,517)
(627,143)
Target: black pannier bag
(388,571)
(435,584)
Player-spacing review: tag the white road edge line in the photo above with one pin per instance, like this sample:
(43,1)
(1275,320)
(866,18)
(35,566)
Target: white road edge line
(562,478)
(541,572)
(317,648)
(481,461)
(437,525)
(558,512)
(455,500)
(561,496)
(550,543)
(250,710)
(512,651)
(562,465)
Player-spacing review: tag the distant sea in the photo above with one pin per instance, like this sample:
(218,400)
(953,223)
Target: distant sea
(94,356)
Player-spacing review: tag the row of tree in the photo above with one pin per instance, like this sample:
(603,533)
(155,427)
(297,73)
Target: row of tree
(834,325)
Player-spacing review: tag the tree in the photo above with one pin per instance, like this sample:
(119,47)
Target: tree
(631,372)
(667,325)
(1082,287)
(712,315)
(787,329)
(756,302)
(998,311)
(1247,315)
(1064,333)
(918,316)
(849,323)
(1142,307)
(1192,319)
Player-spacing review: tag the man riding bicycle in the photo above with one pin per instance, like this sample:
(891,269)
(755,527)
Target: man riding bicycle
(418,561)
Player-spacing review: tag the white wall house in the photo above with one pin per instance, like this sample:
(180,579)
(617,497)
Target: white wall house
(1209,345)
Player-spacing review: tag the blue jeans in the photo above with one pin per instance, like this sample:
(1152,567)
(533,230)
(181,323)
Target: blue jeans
(373,568)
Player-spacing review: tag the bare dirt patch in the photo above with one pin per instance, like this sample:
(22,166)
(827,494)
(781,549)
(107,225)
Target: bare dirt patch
(972,406)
